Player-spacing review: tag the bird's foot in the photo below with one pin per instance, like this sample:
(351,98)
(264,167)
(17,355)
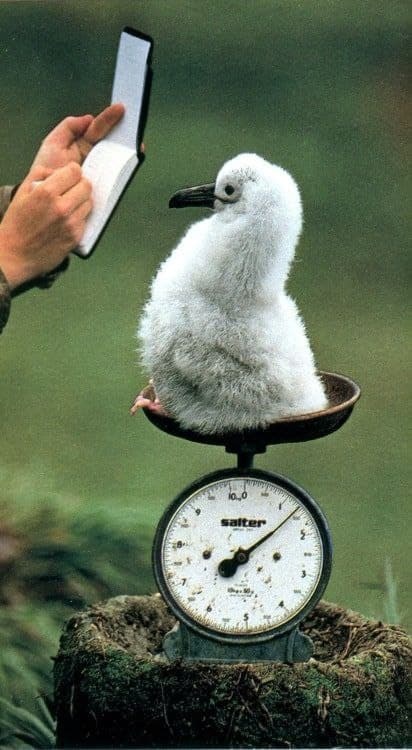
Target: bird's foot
(147,399)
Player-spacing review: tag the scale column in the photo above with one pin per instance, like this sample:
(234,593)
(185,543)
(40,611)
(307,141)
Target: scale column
(245,460)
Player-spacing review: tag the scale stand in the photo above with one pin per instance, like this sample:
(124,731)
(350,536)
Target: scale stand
(298,532)
(184,643)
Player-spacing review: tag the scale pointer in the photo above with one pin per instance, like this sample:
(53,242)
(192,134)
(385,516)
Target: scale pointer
(228,567)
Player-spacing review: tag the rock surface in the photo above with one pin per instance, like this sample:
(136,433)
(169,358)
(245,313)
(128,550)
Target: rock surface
(113,687)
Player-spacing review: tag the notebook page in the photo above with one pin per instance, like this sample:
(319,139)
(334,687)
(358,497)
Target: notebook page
(131,66)
(105,168)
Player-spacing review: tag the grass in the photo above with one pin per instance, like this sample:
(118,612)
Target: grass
(57,556)
(20,728)
(392,613)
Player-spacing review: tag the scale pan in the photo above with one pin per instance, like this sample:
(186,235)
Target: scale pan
(342,393)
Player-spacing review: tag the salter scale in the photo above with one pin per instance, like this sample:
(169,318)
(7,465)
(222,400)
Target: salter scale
(242,555)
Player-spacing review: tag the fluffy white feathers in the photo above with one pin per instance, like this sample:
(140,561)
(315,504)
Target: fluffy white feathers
(222,340)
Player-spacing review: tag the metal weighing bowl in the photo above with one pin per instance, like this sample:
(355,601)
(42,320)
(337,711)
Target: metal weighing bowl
(342,393)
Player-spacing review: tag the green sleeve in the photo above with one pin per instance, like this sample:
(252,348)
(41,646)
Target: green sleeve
(6,194)
(5,299)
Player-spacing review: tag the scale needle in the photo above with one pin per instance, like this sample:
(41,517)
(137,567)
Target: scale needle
(228,567)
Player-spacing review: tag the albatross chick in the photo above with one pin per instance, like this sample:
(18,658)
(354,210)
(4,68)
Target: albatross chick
(222,340)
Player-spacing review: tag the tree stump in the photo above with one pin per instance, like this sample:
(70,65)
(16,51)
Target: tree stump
(114,688)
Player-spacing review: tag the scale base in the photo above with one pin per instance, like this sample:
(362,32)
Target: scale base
(184,643)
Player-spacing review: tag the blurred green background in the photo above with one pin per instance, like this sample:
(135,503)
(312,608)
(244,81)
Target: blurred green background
(317,87)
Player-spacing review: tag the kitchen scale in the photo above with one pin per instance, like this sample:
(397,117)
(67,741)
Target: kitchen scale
(242,555)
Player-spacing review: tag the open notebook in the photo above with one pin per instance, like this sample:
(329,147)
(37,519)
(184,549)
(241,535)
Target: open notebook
(112,162)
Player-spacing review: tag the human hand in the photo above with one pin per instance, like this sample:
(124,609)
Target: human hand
(73,138)
(44,221)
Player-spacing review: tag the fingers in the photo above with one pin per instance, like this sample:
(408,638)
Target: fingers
(68,191)
(103,123)
(63,179)
(37,174)
(70,129)
(53,181)
(76,196)
(76,223)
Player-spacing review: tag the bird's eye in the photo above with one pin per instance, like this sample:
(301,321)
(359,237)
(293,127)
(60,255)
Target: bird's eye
(229,189)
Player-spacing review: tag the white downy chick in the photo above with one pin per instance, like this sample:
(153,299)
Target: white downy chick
(223,341)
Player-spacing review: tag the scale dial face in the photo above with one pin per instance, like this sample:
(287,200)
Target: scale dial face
(242,555)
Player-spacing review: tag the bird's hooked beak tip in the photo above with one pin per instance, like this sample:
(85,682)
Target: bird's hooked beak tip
(201,195)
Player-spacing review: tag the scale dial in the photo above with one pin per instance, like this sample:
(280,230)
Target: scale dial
(242,555)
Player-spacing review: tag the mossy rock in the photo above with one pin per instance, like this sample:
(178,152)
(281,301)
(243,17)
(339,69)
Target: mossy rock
(113,687)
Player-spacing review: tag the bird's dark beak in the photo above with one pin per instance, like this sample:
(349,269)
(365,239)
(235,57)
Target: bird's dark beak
(202,195)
